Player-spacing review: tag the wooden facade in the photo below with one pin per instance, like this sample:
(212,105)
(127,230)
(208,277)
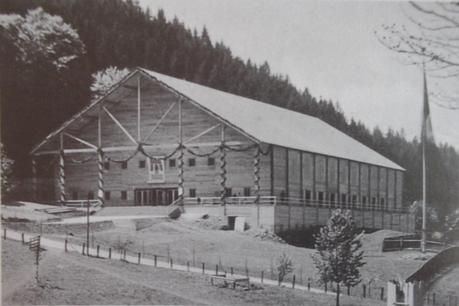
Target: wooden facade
(145,144)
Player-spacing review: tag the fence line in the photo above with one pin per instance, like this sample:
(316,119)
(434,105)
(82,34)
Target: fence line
(202,267)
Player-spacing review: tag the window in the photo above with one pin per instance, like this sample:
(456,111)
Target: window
(382,202)
(75,195)
(142,163)
(124,165)
(343,198)
(321,197)
(192,193)
(332,197)
(246,191)
(228,192)
(172,163)
(124,195)
(191,162)
(364,201)
(354,199)
(91,195)
(211,161)
(307,195)
(107,195)
(107,165)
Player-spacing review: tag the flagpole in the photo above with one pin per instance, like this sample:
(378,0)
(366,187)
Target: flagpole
(424,223)
(424,136)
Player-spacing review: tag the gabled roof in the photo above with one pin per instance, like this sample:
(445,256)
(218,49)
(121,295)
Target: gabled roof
(276,125)
(258,120)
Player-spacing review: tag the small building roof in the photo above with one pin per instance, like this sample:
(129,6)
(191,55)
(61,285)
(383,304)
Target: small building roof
(276,125)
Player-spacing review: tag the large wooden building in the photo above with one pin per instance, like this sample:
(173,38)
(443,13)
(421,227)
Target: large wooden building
(155,139)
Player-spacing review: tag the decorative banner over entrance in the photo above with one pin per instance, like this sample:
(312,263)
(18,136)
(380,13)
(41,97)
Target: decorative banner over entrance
(156,172)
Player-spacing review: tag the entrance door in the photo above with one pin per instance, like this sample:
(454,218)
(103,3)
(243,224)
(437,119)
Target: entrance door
(155,196)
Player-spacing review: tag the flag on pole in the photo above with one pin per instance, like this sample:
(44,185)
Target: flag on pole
(426,131)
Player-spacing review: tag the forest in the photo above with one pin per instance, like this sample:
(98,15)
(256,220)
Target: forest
(37,98)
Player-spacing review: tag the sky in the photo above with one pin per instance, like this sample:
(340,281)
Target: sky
(328,47)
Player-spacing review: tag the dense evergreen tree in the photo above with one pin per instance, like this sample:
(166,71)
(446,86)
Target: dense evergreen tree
(119,33)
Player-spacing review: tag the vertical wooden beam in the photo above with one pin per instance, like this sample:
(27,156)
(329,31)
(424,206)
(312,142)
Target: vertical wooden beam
(138,109)
(313,196)
(100,161)
(34,179)
(61,169)
(223,169)
(287,189)
(326,196)
(271,161)
(338,178)
(302,190)
(349,195)
(181,165)
(256,174)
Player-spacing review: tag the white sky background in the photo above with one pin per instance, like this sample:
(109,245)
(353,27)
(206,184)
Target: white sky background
(328,47)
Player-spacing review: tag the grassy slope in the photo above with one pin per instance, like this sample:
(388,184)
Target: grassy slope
(191,241)
(74,279)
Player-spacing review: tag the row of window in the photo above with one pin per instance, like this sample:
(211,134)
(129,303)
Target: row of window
(321,197)
(192,194)
(172,163)
(107,195)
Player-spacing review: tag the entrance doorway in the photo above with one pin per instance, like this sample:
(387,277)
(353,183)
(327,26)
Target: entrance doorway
(155,196)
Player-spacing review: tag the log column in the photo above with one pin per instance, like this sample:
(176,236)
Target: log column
(100,161)
(61,170)
(256,173)
(181,163)
(223,169)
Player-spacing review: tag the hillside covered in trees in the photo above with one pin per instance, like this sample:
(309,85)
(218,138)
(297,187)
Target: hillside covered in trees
(36,99)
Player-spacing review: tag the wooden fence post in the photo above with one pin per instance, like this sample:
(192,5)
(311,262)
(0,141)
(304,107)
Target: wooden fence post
(309,284)
(82,249)
(171,263)
(98,250)
(364,287)
(326,287)
(293,281)
(262,276)
(203,268)
(4,233)
(232,271)
(138,260)
(65,244)
(247,272)
(22,237)
(348,290)
(188,266)
(109,253)
(433,298)
(156,260)
(382,294)
(124,254)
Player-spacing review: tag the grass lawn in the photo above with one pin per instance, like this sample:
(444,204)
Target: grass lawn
(68,278)
(197,242)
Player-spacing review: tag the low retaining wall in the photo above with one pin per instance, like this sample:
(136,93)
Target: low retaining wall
(292,217)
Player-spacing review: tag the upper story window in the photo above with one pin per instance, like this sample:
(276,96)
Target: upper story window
(247,191)
(172,163)
(142,163)
(191,162)
(211,161)
(107,165)
(124,165)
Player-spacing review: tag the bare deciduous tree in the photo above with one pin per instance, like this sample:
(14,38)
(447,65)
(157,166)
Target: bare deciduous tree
(430,38)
